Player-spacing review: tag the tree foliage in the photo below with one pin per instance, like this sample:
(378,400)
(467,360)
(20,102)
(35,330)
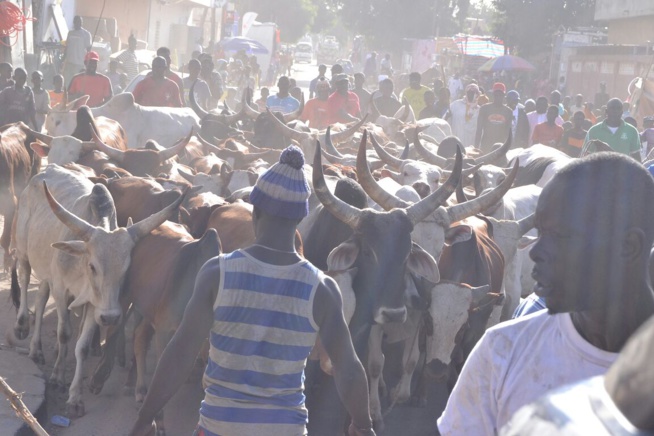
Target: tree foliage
(386,22)
(528,25)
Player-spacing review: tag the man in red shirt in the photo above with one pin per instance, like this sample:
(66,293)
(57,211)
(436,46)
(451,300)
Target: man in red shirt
(156,89)
(342,105)
(164,52)
(315,110)
(97,86)
(548,133)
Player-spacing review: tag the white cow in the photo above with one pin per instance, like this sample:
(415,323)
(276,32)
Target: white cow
(162,124)
(80,256)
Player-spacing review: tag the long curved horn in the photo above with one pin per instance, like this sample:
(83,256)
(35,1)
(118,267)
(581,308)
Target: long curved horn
(113,153)
(208,144)
(295,114)
(173,151)
(430,157)
(495,154)
(81,228)
(145,226)
(465,173)
(419,211)
(526,224)
(406,151)
(46,139)
(405,114)
(346,134)
(350,215)
(194,105)
(334,159)
(329,145)
(386,156)
(249,110)
(472,207)
(379,195)
(285,130)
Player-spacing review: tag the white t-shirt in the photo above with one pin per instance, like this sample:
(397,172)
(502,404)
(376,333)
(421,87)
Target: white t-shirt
(515,363)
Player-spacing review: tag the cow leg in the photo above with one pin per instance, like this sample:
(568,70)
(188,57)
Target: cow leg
(5,239)
(75,405)
(22,326)
(161,339)
(130,383)
(36,351)
(375,369)
(402,391)
(58,377)
(142,337)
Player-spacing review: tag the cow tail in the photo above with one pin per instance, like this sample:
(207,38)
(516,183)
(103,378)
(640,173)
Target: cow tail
(15,287)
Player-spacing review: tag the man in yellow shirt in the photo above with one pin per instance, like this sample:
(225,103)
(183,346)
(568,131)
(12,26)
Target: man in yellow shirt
(415,93)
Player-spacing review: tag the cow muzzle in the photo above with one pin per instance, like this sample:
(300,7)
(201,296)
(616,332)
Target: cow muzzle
(108,317)
(437,370)
(386,315)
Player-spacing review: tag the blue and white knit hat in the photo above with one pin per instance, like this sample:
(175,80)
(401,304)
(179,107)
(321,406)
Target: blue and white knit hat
(283,190)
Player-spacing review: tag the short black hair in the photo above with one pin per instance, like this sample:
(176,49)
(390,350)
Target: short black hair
(609,190)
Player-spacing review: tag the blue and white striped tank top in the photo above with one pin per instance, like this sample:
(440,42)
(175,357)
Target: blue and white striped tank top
(262,334)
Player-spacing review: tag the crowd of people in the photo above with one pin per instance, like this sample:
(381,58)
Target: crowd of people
(591,257)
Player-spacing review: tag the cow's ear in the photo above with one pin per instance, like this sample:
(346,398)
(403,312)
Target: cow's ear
(459,233)
(423,264)
(74,248)
(184,216)
(40,149)
(343,256)
(526,241)
(210,242)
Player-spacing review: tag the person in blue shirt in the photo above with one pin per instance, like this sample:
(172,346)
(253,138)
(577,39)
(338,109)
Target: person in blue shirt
(282,101)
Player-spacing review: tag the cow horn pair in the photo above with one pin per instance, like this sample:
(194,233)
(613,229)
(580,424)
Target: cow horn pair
(418,211)
(456,212)
(346,134)
(329,145)
(406,111)
(119,155)
(84,230)
(442,162)
(204,115)
(293,134)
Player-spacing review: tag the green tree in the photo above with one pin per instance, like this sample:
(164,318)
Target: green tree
(294,17)
(387,22)
(528,25)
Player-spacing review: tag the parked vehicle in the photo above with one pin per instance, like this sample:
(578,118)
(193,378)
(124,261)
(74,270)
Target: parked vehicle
(303,52)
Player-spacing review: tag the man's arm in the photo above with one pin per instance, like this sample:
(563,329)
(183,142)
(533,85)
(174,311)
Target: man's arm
(349,375)
(178,358)
(635,151)
(109,92)
(31,111)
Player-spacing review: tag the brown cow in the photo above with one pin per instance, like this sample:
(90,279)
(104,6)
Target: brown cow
(159,284)
(16,168)
(141,162)
(198,210)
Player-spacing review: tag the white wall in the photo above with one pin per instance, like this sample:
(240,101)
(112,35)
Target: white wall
(617,9)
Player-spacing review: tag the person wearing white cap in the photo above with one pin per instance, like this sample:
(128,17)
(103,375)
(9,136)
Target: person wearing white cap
(264,307)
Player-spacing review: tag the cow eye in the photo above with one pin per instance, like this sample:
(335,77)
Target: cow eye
(92,268)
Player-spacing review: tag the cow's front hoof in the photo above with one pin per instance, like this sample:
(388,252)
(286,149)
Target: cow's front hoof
(37,357)
(95,386)
(22,329)
(75,409)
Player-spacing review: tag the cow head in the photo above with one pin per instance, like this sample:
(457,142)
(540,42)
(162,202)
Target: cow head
(142,162)
(449,310)
(59,150)
(224,181)
(105,250)
(440,219)
(381,247)
(62,120)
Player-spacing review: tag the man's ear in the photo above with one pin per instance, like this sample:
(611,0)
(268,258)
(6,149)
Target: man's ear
(633,245)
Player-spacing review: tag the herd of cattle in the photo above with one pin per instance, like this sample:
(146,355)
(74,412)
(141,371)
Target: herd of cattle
(428,250)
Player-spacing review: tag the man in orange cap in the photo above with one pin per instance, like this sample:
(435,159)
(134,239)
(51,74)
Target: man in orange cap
(97,86)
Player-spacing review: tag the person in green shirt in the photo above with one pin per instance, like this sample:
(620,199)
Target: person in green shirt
(415,93)
(620,136)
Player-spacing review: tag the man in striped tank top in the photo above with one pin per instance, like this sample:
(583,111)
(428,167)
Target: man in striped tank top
(264,307)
